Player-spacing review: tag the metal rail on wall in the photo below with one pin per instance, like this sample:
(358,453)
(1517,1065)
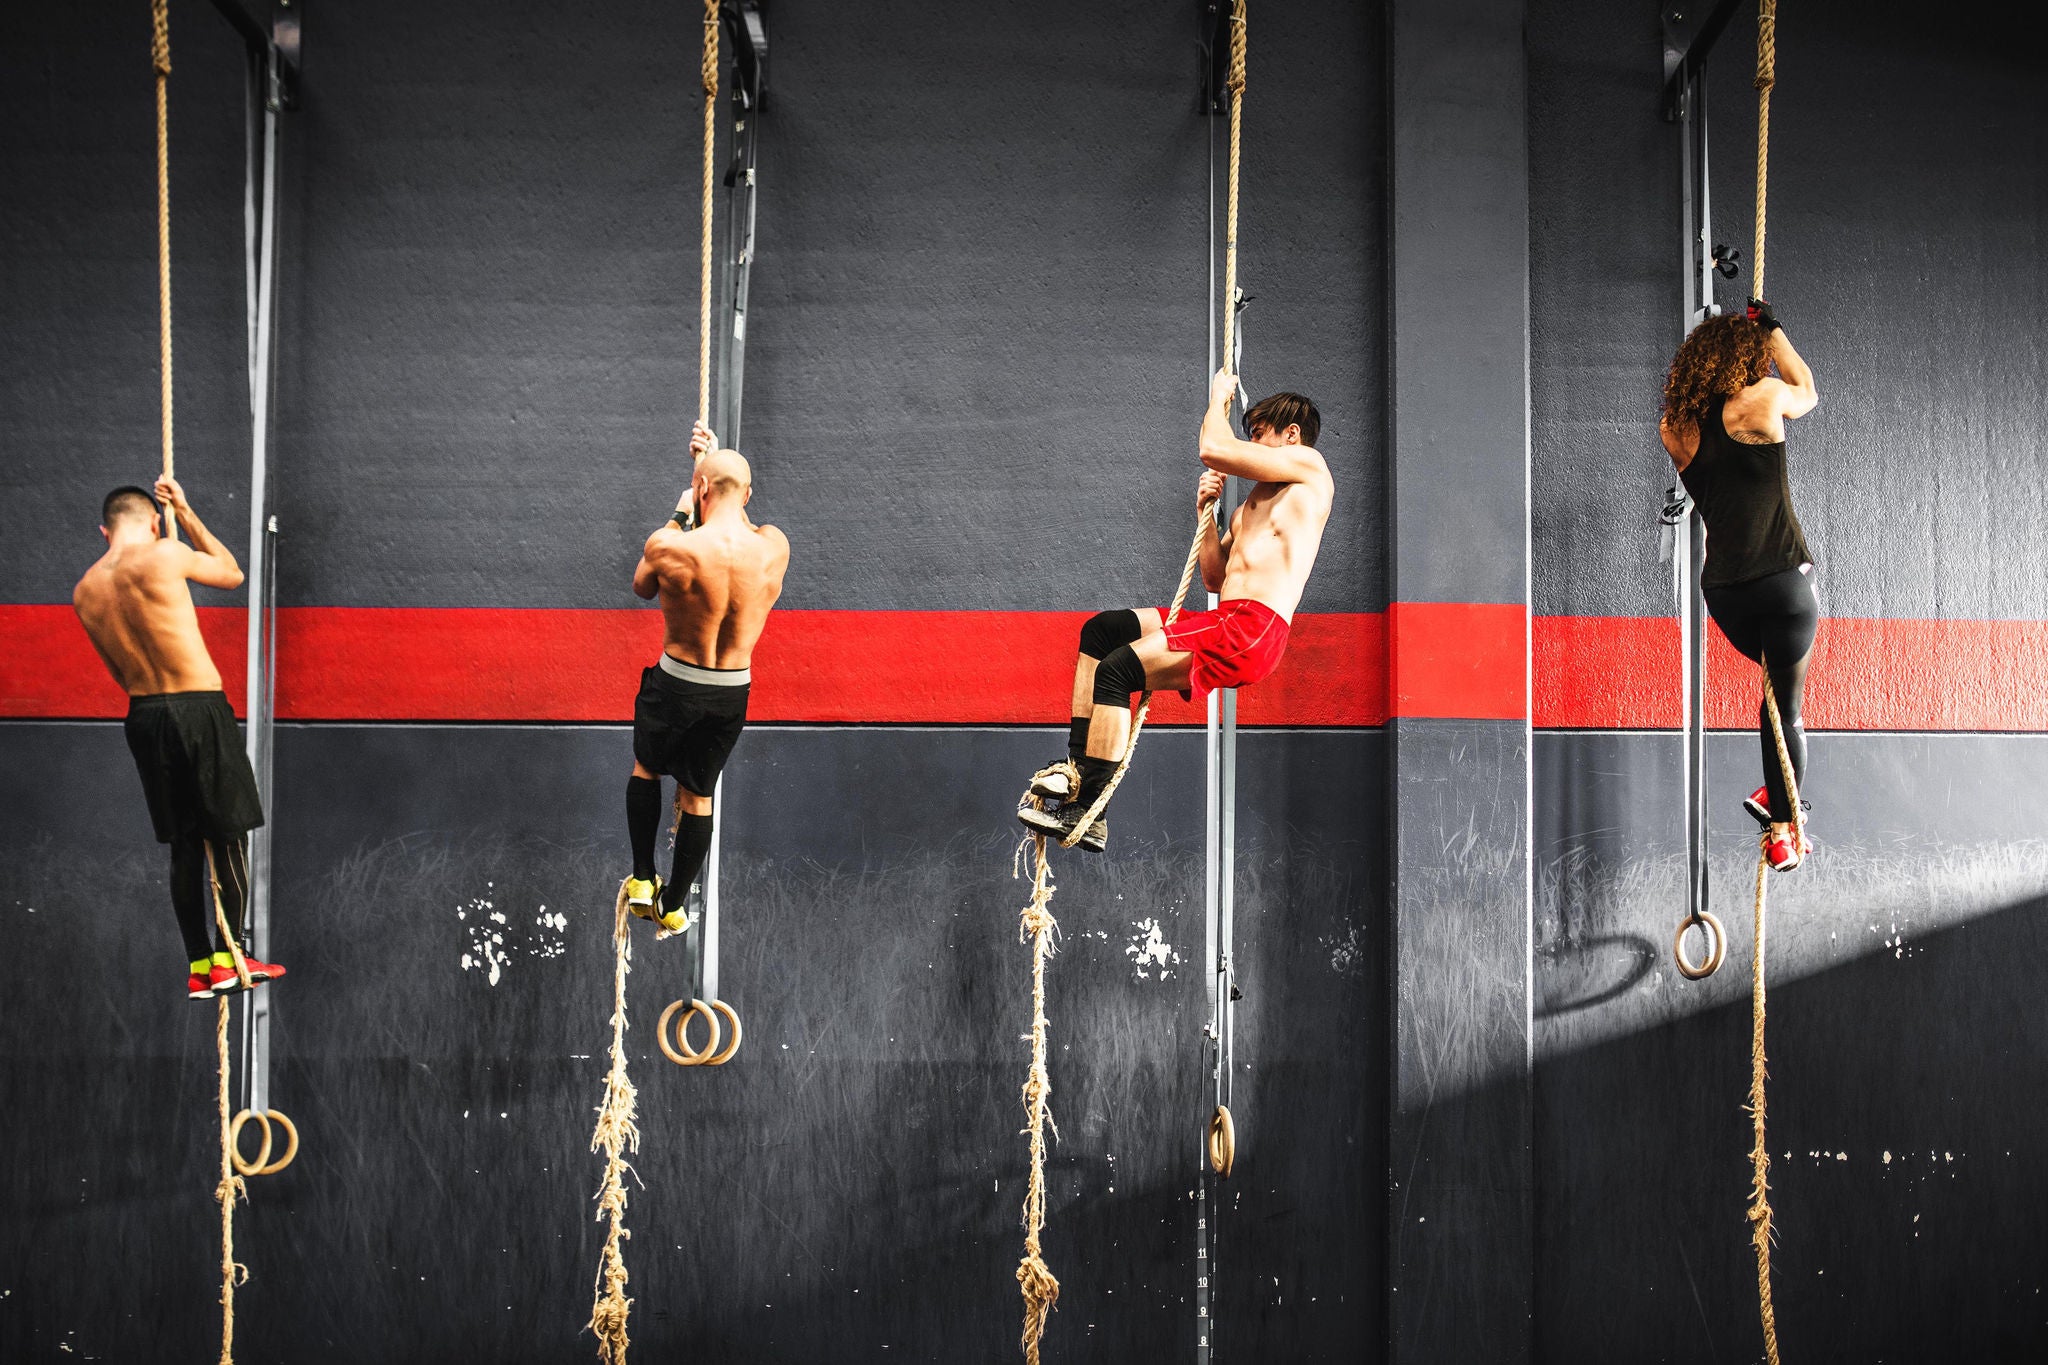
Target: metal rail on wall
(746,33)
(1689,35)
(272,35)
(1219,900)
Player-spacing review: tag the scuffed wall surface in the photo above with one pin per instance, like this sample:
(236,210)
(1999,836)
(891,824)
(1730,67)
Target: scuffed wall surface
(851,1182)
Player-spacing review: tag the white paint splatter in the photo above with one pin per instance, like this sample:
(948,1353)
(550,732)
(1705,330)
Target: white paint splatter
(1149,950)
(1347,954)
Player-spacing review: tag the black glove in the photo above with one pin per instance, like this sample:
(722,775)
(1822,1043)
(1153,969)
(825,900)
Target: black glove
(1761,314)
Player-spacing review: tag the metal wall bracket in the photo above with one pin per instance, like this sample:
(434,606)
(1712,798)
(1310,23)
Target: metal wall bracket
(272,32)
(1215,53)
(1691,29)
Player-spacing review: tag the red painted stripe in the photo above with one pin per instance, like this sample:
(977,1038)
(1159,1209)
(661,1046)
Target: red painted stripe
(362,663)
(875,667)
(1622,672)
(1459,660)
(49,669)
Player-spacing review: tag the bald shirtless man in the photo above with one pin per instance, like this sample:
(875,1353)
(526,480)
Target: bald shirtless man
(136,605)
(1257,570)
(718,575)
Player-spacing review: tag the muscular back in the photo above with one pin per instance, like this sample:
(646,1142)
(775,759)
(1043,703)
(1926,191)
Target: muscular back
(1274,537)
(136,606)
(717,584)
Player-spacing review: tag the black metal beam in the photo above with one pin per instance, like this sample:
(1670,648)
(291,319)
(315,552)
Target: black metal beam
(747,31)
(1215,50)
(1690,31)
(270,28)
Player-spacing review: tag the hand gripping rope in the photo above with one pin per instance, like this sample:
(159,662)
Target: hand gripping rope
(1041,1290)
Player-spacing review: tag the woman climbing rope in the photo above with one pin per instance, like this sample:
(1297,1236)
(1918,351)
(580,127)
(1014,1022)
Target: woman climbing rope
(1724,419)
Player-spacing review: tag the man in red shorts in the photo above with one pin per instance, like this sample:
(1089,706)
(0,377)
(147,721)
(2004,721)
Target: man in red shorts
(1258,571)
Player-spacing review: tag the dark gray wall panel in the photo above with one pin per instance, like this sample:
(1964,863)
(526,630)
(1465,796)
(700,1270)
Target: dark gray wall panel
(79,405)
(1905,1059)
(1907,211)
(850,1182)
(979,314)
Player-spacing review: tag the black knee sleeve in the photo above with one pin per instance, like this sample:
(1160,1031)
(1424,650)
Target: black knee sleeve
(1118,675)
(1106,630)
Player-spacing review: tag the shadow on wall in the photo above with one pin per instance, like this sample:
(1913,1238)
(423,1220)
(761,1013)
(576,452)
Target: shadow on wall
(1604,928)
(1908,1155)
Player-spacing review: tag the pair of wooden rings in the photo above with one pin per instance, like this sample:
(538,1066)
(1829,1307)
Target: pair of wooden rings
(680,1052)
(1717,946)
(267,1122)
(1222,1142)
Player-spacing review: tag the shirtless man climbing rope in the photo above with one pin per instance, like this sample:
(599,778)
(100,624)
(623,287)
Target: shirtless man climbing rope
(136,605)
(718,575)
(1258,571)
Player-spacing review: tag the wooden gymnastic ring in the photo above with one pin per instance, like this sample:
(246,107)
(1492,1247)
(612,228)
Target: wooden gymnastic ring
(291,1144)
(1222,1142)
(732,1029)
(1717,949)
(235,1143)
(689,1056)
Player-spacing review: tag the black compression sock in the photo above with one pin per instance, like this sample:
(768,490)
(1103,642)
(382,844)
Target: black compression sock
(643,818)
(189,896)
(1095,775)
(1077,738)
(693,842)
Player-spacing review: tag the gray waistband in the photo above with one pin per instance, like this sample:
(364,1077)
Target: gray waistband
(711,677)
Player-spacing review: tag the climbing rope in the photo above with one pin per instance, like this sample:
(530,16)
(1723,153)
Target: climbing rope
(1759,1070)
(616,1134)
(230,1186)
(1766,77)
(710,74)
(160,55)
(1041,1290)
(1208,513)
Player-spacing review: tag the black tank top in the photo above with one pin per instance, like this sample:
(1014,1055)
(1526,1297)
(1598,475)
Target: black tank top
(1745,496)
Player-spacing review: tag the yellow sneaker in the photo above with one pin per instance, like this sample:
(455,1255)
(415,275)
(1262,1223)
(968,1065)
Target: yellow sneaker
(642,895)
(675,921)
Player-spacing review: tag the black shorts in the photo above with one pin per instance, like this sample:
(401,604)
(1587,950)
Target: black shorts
(195,774)
(686,729)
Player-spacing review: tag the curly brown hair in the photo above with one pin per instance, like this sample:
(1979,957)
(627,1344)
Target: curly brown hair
(1721,357)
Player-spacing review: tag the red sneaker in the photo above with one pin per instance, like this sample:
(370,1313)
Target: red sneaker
(226,982)
(1785,851)
(1758,804)
(198,987)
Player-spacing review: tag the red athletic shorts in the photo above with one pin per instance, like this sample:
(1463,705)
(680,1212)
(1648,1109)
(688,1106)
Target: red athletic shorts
(1235,645)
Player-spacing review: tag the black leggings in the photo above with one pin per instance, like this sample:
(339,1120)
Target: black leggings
(192,898)
(1774,619)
